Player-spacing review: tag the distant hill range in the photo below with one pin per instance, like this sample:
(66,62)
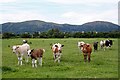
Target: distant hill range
(40,26)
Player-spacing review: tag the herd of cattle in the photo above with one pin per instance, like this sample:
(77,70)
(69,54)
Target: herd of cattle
(37,54)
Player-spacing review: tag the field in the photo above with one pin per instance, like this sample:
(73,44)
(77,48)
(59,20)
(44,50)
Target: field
(104,64)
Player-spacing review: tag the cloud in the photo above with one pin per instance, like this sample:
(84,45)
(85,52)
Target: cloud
(7,1)
(67,17)
(21,16)
(82,2)
(70,14)
(81,17)
(63,14)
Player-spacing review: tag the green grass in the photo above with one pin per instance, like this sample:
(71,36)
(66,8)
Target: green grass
(104,64)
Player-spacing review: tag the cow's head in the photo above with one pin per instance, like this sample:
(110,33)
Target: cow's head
(57,47)
(14,48)
(80,45)
(85,46)
(29,52)
(25,41)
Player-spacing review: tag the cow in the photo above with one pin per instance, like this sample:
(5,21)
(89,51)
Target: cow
(21,50)
(36,53)
(102,44)
(87,50)
(106,44)
(95,45)
(57,51)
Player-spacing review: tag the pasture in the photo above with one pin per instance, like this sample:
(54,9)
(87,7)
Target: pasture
(104,64)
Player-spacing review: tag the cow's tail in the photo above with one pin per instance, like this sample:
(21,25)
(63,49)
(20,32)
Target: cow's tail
(43,50)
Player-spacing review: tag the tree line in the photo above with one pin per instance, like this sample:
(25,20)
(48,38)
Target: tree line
(56,33)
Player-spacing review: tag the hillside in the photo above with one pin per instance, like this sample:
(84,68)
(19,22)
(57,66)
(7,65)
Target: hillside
(37,25)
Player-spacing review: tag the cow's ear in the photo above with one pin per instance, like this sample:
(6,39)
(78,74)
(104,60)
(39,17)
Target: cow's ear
(17,47)
(51,47)
(51,44)
(32,50)
(56,46)
(62,45)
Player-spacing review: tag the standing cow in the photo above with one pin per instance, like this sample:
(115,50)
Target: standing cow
(36,54)
(106,44)
(57,51)
(21,50)
(95,45)
(87,50)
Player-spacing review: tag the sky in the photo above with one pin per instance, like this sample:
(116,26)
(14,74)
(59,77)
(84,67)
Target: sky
(74,12)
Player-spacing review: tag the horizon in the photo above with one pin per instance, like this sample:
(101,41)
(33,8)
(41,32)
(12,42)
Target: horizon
(59,11)
(60,23)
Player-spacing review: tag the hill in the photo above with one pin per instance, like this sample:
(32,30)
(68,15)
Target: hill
(40,26)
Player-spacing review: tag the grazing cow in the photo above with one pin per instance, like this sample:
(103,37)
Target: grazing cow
(57,51)
(95,45)
(87,50)
(80,45)
(21,50)
(36,53)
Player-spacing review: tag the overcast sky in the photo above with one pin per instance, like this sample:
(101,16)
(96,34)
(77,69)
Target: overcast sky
(59,11)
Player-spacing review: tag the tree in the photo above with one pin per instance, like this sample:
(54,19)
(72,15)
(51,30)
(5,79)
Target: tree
(8,35)
(26,35)
(36,35)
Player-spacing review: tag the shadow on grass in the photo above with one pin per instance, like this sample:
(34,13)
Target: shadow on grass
(8,69)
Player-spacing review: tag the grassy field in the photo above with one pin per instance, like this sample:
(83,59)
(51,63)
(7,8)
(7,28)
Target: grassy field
(104,64)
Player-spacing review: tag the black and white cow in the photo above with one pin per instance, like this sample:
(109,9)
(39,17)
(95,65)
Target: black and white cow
(106,43)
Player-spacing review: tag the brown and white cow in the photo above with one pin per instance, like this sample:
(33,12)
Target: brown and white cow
(87,50)
(57,51)
(36,53)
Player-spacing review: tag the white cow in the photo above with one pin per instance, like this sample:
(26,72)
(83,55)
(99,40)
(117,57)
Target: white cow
(21,50)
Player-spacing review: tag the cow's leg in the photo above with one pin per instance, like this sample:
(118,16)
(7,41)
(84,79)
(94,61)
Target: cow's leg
(33,62)
(104,48)
(40,61)
(101,46)
(19,60)
(27,58)
(85,57)
(59,58)
(89,57)
(56,58)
